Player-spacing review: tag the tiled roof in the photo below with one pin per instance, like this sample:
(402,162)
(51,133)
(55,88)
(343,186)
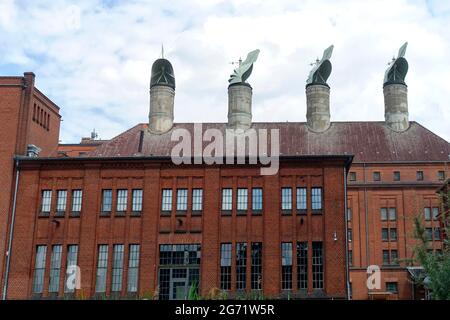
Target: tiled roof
(367,141)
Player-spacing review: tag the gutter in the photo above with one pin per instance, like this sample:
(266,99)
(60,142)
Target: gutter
(11,231)
(346,236)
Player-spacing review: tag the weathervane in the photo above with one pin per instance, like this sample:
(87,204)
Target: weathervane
(244,69)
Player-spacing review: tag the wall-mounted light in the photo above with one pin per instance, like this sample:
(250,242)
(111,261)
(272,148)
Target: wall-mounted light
(334,235)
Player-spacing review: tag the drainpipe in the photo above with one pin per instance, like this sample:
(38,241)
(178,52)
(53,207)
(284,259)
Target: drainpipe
(11,231)
(347,276)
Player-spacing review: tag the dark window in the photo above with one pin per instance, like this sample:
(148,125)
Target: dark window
(396,175)
(437,233)
(242,199)
(429,233)
(136,201)
(225,266)
(392,287)
(77,199)
(286,265)
(376,176)
(39,269)
(55,268)
(286,198)
(316,198)
(257,199)
(241,266)
(349,235)
(166,204)
(227,199)
(102,268)
(197,199)
(117,268)
(122,199)
(393,234)
(256,268)
(394,257)
(352,176)
(46,201)
(350,258)
(386,259)
(133,267)
(419,175)
(106,200)
(302,265)
(441,175)
(179,254)
(71,268)
(182,198)
(385,234)
(61,200)
(301,199)
(317,265)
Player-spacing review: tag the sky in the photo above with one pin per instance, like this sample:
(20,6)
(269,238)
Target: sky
(93,58)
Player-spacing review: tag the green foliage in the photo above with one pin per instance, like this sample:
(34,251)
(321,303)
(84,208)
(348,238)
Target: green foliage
(193,291)
(436,266)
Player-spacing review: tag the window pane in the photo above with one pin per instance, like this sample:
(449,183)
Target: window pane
(61,200)
(256,268)
(102,267)
(427,213)
(257,199)
(197,199)
(317,265)
(166,200)
(302,265)
(39,269)
(386,259)
(419,175)
(396,175)
(385,234)
(286,198)
(122,198)
(435,213)
(46,200)
(71,264)
(77,198)
(393,234)
(117,269)
(392,214)
(316,198)
(136,205)
(133,268)
(301,198)
(350,235)
(227,199)
(349,214)
(242,199)
(286,266)
(55,268)
(376,176)
(182,195)
(241,266)
(383,214)
(107,200)
(394,257)
(437,233)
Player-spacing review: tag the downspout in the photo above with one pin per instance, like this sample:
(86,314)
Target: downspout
(367,216)
(347,274)
(11,231)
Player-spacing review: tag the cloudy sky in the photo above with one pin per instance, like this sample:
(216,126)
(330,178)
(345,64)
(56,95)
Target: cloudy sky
(93,58)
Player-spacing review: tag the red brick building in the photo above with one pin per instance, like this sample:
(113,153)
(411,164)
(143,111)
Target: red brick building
(136,224)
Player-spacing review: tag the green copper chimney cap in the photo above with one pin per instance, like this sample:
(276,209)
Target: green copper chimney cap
(162,74)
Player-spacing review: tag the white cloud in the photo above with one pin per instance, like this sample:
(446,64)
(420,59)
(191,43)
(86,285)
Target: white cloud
(94,59)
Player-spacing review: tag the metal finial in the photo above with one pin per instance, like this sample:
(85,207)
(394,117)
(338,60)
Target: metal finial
(162,50)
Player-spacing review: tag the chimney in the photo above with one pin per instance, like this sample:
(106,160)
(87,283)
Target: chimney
(240,94)
(162,95)
(395,93)
(239,106)
(318,94)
